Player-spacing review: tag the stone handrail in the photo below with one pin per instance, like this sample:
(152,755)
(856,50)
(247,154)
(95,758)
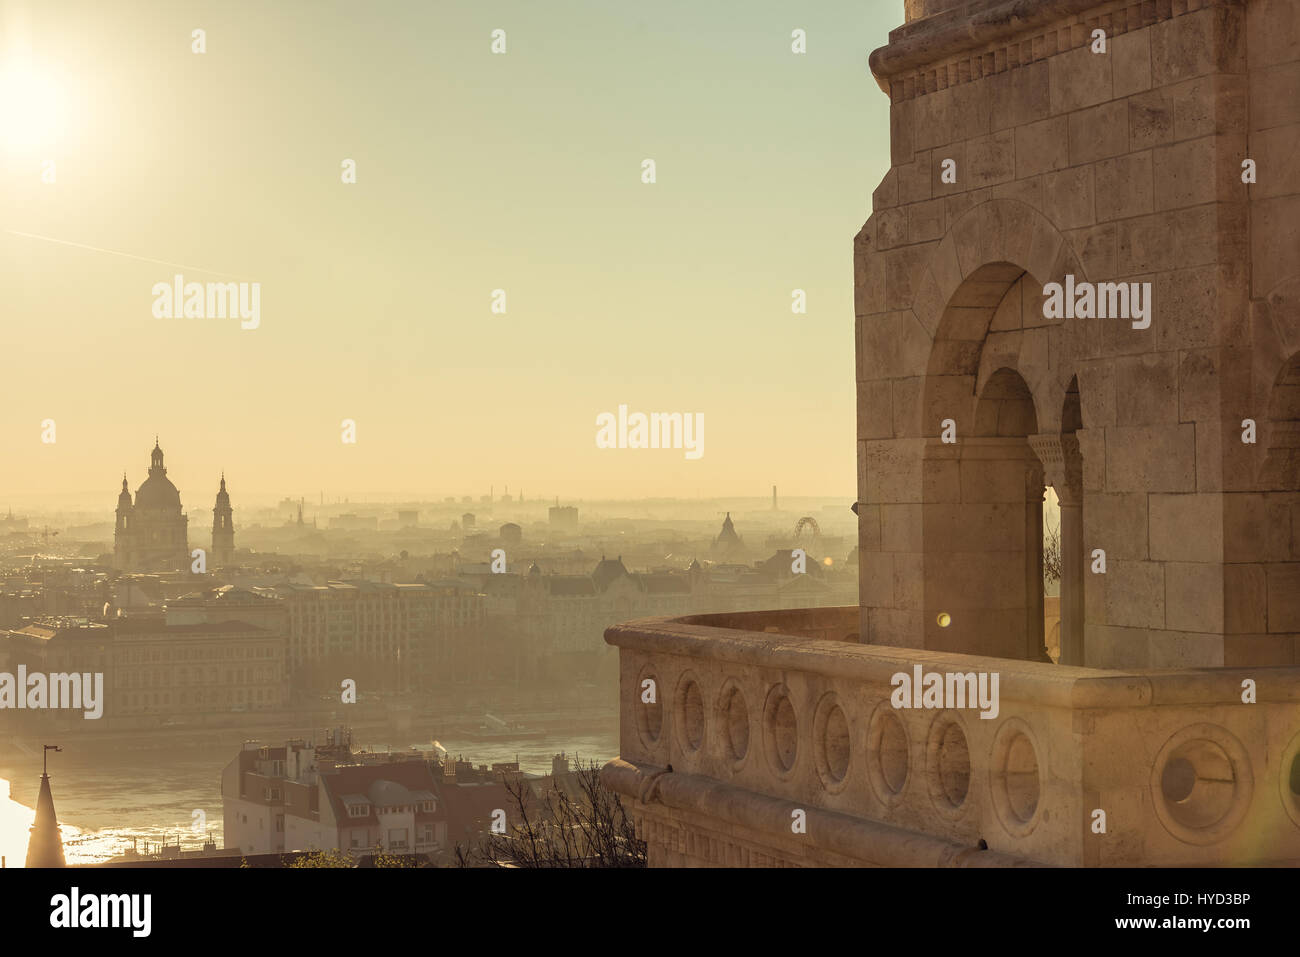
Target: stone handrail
(1077,766)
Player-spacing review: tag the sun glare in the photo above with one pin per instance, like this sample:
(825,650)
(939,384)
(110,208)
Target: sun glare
(30,105)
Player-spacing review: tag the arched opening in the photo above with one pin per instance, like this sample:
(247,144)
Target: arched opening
(983,528)
(1281,470)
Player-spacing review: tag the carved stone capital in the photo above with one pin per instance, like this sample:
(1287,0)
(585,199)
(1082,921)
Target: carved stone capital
(1062,465)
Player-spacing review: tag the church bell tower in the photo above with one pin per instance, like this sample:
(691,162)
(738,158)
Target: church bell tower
(223,529)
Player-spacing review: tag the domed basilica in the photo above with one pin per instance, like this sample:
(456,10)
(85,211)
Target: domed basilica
(151,534)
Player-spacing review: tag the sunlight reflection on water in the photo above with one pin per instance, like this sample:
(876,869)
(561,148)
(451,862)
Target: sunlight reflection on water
(151,796)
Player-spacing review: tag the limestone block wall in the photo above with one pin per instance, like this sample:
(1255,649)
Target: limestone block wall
(1123,166)
(1262,513)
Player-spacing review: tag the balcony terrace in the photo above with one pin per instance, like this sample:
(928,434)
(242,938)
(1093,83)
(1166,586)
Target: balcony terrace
(756,716)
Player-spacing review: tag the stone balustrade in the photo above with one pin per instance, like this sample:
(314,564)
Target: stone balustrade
(760,715)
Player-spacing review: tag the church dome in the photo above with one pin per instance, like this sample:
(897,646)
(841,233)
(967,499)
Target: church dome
(157,492)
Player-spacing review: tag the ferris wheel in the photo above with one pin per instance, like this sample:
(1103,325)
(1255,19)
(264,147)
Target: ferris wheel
(807,522)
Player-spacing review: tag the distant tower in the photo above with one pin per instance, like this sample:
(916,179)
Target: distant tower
(694,572)
(223,528)
(727,537)
(122,534)
(774,498)
(45,846)
(729,546)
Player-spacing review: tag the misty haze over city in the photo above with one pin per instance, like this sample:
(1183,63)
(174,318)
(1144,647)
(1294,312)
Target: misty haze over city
(469,438)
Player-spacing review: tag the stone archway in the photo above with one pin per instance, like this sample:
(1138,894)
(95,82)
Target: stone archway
(973,320)
(982,527)
(995,366)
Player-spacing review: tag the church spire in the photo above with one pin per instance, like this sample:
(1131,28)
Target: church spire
(156,459)
(45,846)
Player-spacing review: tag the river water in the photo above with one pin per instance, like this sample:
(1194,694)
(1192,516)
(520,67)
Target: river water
(105,800)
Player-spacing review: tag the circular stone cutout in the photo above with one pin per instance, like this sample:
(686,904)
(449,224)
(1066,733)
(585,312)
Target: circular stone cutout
(734,715)
(1201,784)
(831,734)
(1015,780)
(781,731)
(888,754)
(649,714)
(948,764)
(690,713)
(1289,780)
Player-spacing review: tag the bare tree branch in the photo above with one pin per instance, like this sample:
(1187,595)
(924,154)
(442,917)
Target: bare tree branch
(593,830)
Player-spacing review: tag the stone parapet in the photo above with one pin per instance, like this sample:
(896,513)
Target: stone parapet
(727,732)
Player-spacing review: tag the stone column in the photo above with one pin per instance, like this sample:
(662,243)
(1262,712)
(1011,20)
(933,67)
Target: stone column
(1063,470)
(1035,639)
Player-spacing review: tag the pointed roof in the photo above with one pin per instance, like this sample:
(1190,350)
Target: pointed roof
(45,846)
(607,571)
(728,534)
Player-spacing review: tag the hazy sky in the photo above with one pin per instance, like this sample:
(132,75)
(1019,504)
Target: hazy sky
(475,172)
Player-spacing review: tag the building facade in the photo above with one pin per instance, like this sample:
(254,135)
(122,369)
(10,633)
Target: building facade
(155,673)
(308,796)
(167,671)
(396,637)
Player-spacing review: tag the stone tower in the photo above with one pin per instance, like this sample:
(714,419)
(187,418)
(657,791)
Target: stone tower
(223,528)
(122,532)
(1038,146)
(1117,149)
